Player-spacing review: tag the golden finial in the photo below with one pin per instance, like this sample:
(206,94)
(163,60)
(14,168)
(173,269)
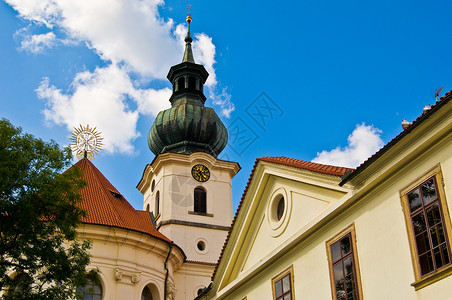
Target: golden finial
(86,142)
(189,14)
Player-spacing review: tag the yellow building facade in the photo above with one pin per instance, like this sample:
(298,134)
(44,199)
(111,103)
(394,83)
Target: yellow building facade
(381,231)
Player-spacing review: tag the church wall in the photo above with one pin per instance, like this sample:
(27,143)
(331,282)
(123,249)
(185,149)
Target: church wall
(129,260)
(188,237)
(190,278)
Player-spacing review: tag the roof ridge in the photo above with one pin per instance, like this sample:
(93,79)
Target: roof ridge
(307,165)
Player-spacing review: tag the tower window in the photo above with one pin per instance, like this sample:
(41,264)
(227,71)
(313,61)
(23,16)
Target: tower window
(192,83)
(180,83)
(200,203)
(157,203)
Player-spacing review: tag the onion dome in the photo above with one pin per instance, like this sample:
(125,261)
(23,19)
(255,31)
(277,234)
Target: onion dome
(188,126)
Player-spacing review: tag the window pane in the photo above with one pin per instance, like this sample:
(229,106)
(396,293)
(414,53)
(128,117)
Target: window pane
(286,283)
(414,199)
(419,223)
(340,295)
(437,235)
(445,254)
(87,297)
(352,296)
(423,243)
(278,288)
(441,256)
(349,283)
(200,200)
(345,245)
(348,265)
(433,215)
(96,290)
(339,279)
(287,297)
(426,263)
(428,191)
(335,251)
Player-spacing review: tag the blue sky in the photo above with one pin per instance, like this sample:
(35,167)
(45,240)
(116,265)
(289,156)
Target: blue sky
(328,81)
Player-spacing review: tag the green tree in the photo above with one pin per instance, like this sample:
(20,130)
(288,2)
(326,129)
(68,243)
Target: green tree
(40,257)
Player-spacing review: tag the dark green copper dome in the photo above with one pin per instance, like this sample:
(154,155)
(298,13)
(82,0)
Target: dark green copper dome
(188,126)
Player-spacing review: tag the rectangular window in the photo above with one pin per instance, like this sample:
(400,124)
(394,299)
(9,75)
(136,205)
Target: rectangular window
(282,285)
(428,225)
(343,263)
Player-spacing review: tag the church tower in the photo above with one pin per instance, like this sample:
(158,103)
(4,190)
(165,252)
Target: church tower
(186,186)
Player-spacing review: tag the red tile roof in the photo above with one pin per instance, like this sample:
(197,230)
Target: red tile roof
(300,164)
(106,206)
(307,165)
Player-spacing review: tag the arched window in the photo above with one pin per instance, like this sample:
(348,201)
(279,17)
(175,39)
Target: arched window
(181,83)
(192,83)
(90,291)
(147,207)
(200,203)
(146,294)
(157,203)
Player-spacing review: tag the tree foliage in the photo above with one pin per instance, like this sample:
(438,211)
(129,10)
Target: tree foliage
(40,257)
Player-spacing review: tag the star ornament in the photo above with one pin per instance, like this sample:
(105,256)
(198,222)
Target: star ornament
(86,142)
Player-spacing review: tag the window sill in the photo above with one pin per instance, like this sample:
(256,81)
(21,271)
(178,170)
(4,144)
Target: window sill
(200,214)
(443,273)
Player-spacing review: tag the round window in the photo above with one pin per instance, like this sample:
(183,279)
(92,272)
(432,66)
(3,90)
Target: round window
(201,246)
(278,211)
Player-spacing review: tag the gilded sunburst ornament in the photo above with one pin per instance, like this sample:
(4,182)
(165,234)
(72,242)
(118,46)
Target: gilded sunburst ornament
(86,142)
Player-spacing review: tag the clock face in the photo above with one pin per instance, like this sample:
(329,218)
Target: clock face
(200,173)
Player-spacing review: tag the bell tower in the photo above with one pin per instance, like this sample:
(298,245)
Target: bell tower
(186,186)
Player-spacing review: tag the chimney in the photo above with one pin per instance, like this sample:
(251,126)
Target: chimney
(405,124)
(426,108)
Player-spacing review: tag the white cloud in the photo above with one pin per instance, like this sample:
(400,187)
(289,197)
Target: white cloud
(38,42)
(362,143)
(103,99)
(222,99)
(130,33)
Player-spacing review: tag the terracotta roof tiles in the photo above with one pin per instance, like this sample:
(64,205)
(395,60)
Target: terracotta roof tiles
(106,206)
(307,165)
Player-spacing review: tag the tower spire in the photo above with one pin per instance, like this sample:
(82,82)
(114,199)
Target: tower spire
(188,54)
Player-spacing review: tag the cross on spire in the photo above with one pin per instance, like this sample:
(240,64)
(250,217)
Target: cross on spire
(189,7)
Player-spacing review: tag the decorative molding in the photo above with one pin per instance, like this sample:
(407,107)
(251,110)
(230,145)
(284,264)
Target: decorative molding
(193,224)
(200,214)
(124,276)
